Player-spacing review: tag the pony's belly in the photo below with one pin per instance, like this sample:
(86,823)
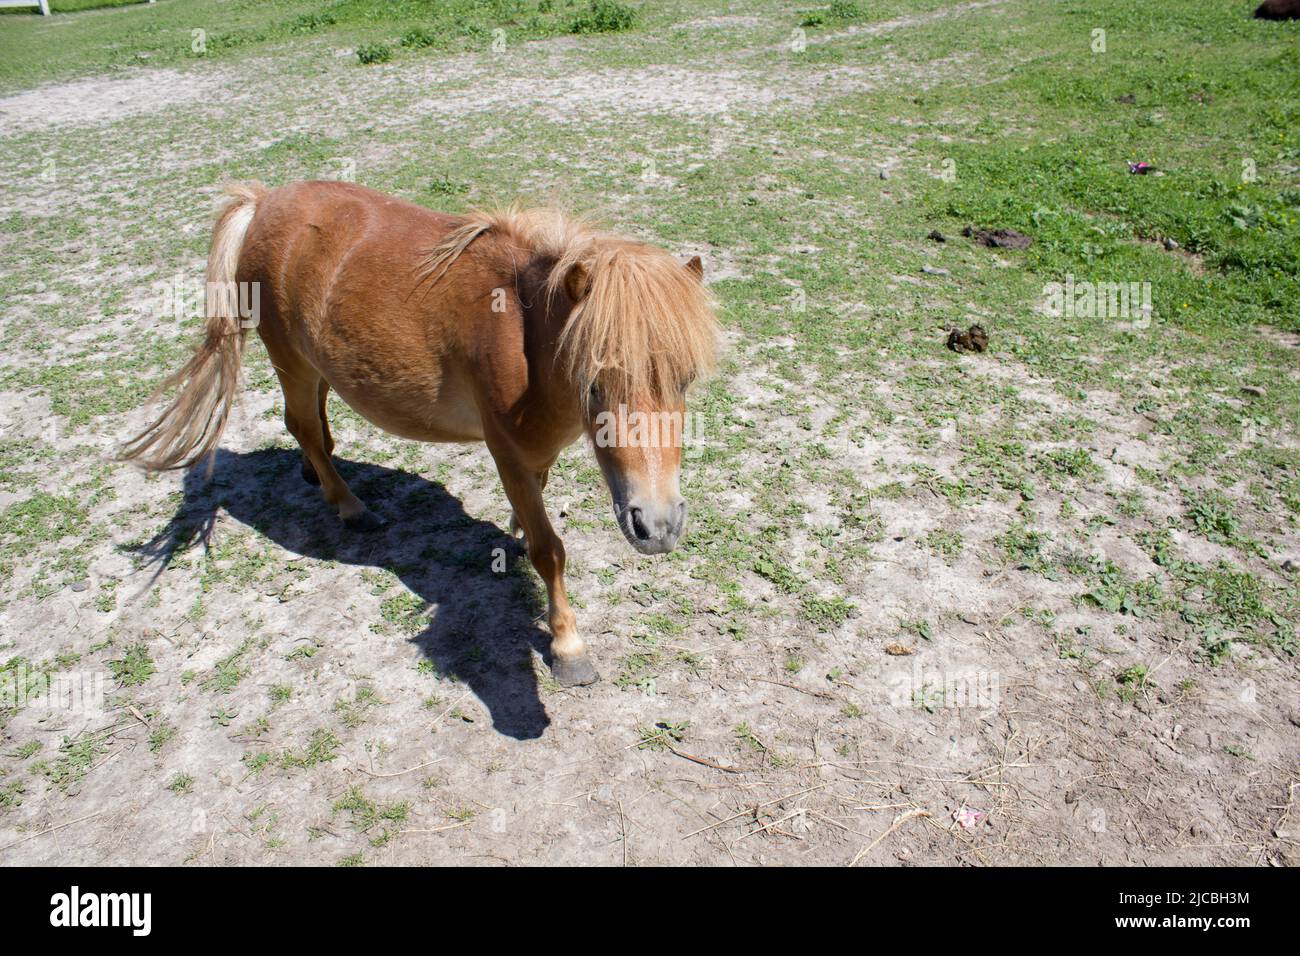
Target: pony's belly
(443,418)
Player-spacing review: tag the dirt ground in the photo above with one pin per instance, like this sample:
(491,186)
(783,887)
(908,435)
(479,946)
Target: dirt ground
(292,693)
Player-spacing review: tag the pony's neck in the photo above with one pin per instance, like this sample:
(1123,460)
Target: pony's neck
(545,314)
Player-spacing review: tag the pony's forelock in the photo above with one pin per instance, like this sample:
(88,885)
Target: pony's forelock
(644,330)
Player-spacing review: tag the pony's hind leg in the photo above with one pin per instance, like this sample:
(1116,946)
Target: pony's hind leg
(304,400)
(308,472)
(322,404)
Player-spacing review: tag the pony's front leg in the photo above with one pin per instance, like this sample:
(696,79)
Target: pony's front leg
(570,664)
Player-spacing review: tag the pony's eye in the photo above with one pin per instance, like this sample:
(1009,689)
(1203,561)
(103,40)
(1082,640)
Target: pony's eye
(594,393)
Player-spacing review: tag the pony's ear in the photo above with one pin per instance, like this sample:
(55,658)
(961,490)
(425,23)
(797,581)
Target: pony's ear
(696,268)
(577,283)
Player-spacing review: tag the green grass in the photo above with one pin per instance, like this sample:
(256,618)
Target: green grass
(76,757)
(11,794)
(662,735)
(160,734)
(366,815)
(839,11)
(42,517)
(374,53)
(1211,514)
(603,16)
(357,710)
(135,667)
(827,613)
(230,670)
(27,750)
(321,747)
(164,34)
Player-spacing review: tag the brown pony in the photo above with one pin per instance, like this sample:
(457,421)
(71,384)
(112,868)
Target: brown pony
(1278,10)
(521,329)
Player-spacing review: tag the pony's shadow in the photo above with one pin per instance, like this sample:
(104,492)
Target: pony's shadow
(483,627)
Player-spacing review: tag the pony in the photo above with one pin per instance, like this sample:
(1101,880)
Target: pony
(1278,10)
(520,328)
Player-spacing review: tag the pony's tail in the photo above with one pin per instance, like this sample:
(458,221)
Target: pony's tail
(191,426)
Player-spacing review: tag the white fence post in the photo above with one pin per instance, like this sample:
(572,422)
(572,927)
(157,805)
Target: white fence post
(43,4)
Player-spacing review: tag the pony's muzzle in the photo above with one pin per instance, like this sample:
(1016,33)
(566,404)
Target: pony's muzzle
(654,528)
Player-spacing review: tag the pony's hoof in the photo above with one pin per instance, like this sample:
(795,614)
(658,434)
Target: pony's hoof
(574,671)
(364,521)
(309,474)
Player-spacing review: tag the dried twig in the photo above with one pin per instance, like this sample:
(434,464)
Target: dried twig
(803,690)
(899,820)
(703,761)
(755,807)
(60,826)
(450,826)
(399,773)
(662,738)
(789,816)
(622,826)
(449,709)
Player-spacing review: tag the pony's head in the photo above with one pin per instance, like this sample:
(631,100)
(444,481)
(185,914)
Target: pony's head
(635,329)
(640,331)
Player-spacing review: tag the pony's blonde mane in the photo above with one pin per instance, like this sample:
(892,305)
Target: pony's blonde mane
(644,326)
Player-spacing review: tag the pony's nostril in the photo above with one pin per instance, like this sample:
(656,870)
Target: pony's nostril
(638,525)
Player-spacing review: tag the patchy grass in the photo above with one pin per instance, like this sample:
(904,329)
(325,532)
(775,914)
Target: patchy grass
(135,667)
(321,747)
(167,35)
